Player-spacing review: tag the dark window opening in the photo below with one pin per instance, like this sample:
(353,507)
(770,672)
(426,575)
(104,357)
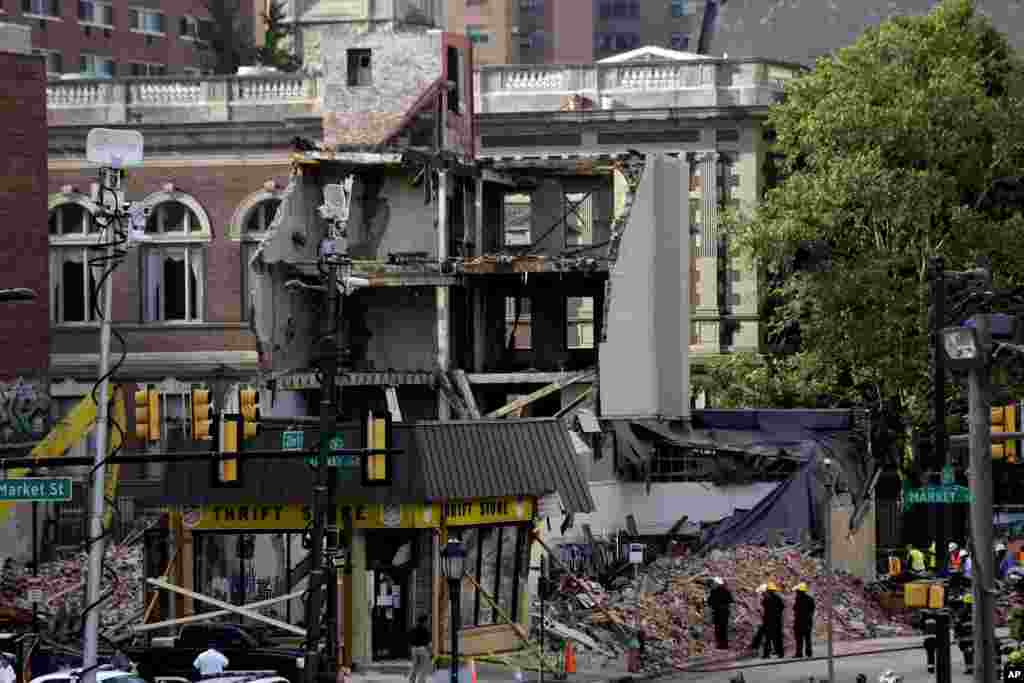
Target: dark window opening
(73,299)
(579,322)
(360,71)
(454,76)
(517,324)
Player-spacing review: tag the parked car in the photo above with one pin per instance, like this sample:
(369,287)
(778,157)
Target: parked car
(103,675)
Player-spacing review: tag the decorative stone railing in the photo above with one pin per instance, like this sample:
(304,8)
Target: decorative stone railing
(631,85)
(177,99)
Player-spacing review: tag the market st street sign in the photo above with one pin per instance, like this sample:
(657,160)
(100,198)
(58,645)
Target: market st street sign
(35,489)
(946,494)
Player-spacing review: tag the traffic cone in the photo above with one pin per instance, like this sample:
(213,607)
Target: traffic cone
(570,658)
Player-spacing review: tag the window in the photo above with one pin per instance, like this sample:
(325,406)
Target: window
(619,8)
(455,76)
(478,34)
(517,324)
(145,69)
(579,219)
(360,72)
(579,315)
(41,8)
(174,279)
(92,12)
(261,216)
(173,273)
(517,217)
(72,281)
(680,42)
(495,557)
(679,8)
(188,28)
(535,7)
(96,66)
(54,61)
(146,21)
(536,40)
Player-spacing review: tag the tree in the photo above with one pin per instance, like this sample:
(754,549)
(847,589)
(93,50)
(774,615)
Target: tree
(229,35)
(886,150)
(273,53)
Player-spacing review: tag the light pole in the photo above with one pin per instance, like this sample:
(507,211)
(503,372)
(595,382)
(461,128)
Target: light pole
(830,489)
(453,560)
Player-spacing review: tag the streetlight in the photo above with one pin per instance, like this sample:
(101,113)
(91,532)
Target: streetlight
(963,351)
(453,560)
(828,566)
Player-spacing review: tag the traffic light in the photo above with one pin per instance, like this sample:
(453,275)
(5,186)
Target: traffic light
(202,415)
(147,415)
(248,403)
(377,466)
(1005,419)
(227,469)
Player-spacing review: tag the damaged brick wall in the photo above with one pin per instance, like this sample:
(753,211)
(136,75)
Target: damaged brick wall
(402,65)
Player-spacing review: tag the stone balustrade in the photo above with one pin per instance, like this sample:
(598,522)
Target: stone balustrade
(177,99)
(631,85)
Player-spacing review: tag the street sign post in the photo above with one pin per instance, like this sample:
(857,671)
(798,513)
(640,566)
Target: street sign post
(292,441)
(947,493)
(335,444)
(35,489)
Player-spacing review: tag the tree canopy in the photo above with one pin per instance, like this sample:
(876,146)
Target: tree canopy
(887,148)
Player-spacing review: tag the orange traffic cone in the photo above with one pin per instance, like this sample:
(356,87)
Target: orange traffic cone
(570,658)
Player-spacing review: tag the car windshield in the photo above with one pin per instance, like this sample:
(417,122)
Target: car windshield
(127,678)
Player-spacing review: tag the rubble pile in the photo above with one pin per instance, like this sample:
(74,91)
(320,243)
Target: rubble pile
(63,585)
(667,603)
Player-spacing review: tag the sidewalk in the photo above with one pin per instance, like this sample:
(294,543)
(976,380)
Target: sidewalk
(396,672)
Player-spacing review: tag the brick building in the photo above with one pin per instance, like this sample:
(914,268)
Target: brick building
(110,38)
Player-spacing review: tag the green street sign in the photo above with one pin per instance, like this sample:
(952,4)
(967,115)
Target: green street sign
(292,441)
(947,494)
(35,489)
(948,476)
(337,442)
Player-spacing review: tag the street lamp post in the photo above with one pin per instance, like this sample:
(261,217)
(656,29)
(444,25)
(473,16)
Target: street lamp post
(828,568)
(453,560)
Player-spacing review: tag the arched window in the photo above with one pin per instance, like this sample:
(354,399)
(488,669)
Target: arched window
(73,284)
(261,216)
(174,262)
(250,225)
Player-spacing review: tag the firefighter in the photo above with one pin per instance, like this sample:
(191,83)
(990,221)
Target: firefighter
(774,608)
(720,600)
(963,631)
(803,619)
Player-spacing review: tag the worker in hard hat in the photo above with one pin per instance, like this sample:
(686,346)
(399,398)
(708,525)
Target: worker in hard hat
(1003,560)
(720,600)
(967,564)
(916,559)
(774,608)
(759,635)
(803,619)
(931,557)
(963,630)
(954,557)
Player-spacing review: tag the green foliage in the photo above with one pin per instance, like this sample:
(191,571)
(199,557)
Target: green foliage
(1016,623)
(887,147)
(273,53)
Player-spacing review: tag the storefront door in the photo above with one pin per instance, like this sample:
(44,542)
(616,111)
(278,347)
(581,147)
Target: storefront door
(390,554)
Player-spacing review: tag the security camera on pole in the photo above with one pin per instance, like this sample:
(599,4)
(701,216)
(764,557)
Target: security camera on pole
(112,150)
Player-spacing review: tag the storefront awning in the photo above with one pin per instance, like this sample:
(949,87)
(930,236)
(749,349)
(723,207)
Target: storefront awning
(490,458)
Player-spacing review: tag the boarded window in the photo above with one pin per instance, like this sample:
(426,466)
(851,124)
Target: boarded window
(517,323)
(579,322)
(496,558)
(579,219)
(518,217)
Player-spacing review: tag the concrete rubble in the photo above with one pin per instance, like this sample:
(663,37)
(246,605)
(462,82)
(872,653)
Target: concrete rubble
(667,603)
(63,586)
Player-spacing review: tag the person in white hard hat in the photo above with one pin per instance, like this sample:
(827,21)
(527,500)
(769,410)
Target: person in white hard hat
(720,600)
(1004,560)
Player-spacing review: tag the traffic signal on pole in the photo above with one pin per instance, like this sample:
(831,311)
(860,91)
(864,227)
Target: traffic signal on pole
(1005,419)
(377,466)
(227,469)
(202,415)
(248,402)
(147,415)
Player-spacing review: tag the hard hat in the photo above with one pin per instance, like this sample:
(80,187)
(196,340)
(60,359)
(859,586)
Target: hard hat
(800,587)
(968,599)
(762,588)
(964,553)
(718,581)
(1000,546)
(952,546)
(772,586)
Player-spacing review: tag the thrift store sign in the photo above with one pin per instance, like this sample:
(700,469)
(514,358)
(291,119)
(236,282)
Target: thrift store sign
(369,516)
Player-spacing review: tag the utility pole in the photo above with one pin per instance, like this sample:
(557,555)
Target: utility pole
(980,476)
(943,660)
(332,366)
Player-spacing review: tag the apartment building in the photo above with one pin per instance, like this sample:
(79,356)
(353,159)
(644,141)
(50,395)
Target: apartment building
(115,38)
(573,31)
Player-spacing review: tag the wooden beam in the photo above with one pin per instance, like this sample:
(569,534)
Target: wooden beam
(156,625)
(391,395)
(462,384)
(520,403)
(514,377)
(234,609)
(575,403)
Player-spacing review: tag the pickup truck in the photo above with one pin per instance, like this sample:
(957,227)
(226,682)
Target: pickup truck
(245,649)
